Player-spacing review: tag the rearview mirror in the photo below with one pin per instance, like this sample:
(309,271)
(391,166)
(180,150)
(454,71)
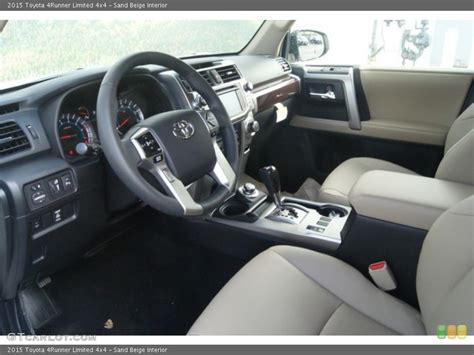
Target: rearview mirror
(307,45)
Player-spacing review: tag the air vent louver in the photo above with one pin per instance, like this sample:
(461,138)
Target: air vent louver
(12,139)
(284,64)
(228,73)
(207,76)
(9,108)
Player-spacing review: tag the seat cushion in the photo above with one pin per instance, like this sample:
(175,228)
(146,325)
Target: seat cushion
(445,276)
(339,183)
(294,291)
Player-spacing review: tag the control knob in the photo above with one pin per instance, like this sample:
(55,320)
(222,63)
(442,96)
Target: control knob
(249,189)
(253,127)
(248,86)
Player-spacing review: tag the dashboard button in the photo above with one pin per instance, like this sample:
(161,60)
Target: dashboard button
(54,186)
(36,187)
(67,182)
(36,224)
(38,197)
(68,210)
(57,215)
(47,220)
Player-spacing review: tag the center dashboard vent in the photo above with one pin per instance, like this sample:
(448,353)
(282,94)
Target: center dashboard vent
(214,75)
(220,75)
(284,64)
(9,108)
(12,139)
(228,73)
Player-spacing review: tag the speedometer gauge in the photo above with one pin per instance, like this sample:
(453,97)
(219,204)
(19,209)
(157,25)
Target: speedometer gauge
(128,115)
(72,130)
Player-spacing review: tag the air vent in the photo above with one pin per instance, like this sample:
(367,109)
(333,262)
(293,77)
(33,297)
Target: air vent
(228,73)
(205,65)
(9,108)
(12,139)
(284,64)
(207,76)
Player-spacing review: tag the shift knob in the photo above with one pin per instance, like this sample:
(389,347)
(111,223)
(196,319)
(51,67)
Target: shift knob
(269,176)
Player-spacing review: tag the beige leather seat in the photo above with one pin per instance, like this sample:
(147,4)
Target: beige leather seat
(457,164)
(294,291)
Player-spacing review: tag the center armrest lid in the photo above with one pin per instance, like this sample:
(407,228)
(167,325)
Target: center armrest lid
(409,200)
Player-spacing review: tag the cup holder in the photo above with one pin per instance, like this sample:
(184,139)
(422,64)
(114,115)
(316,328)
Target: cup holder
(233,208)
(332,211)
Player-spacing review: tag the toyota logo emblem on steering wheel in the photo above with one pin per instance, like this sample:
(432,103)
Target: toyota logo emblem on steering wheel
(183,129)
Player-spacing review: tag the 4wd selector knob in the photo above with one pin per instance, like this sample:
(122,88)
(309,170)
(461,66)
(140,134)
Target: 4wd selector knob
(249,188)
(253,127)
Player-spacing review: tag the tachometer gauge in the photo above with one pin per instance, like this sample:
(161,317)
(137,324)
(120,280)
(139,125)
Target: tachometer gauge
(129,114)
(73,129)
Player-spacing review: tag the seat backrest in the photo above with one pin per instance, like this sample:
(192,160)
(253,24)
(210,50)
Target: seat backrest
(445,277)
(458,161)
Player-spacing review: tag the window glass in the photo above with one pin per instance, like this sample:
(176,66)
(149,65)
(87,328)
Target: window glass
(32,49)
(406,43)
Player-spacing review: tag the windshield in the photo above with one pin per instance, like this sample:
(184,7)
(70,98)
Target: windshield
(34,49)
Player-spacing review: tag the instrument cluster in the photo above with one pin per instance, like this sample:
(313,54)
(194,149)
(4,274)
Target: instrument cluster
(77,121)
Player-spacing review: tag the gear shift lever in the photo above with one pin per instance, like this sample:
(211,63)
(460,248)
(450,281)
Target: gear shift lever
(271,179)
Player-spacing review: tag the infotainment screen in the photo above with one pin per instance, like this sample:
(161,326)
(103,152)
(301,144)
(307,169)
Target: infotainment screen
(231,103)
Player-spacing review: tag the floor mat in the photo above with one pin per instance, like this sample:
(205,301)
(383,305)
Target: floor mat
(144,282)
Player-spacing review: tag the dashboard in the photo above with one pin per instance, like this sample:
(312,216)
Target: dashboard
(55,202)
(138,98)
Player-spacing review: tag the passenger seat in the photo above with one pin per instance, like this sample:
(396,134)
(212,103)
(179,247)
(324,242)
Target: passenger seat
(457,164)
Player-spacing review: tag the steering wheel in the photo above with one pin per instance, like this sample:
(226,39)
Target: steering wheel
(160,156)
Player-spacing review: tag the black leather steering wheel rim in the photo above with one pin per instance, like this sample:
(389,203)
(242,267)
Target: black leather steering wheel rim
(123,160)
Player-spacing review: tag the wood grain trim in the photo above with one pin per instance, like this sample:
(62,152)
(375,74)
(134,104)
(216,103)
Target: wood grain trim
(275,92)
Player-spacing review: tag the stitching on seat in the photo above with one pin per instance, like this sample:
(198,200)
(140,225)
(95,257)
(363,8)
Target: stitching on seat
(316,282)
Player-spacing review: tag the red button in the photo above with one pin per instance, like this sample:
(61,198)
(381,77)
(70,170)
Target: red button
(377,266)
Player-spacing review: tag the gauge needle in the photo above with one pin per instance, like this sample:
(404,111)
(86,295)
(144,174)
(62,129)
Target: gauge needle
(123,123)
(68,136)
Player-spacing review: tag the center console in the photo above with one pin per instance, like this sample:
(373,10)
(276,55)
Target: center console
(412,200)
(286,219)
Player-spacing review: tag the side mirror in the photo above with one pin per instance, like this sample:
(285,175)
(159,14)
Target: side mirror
(307,45)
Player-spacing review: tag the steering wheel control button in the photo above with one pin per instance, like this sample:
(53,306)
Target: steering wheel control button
(158,158)
(167,174)
(149,144)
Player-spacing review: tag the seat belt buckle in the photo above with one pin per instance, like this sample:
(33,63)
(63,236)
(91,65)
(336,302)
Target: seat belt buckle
(382,276)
